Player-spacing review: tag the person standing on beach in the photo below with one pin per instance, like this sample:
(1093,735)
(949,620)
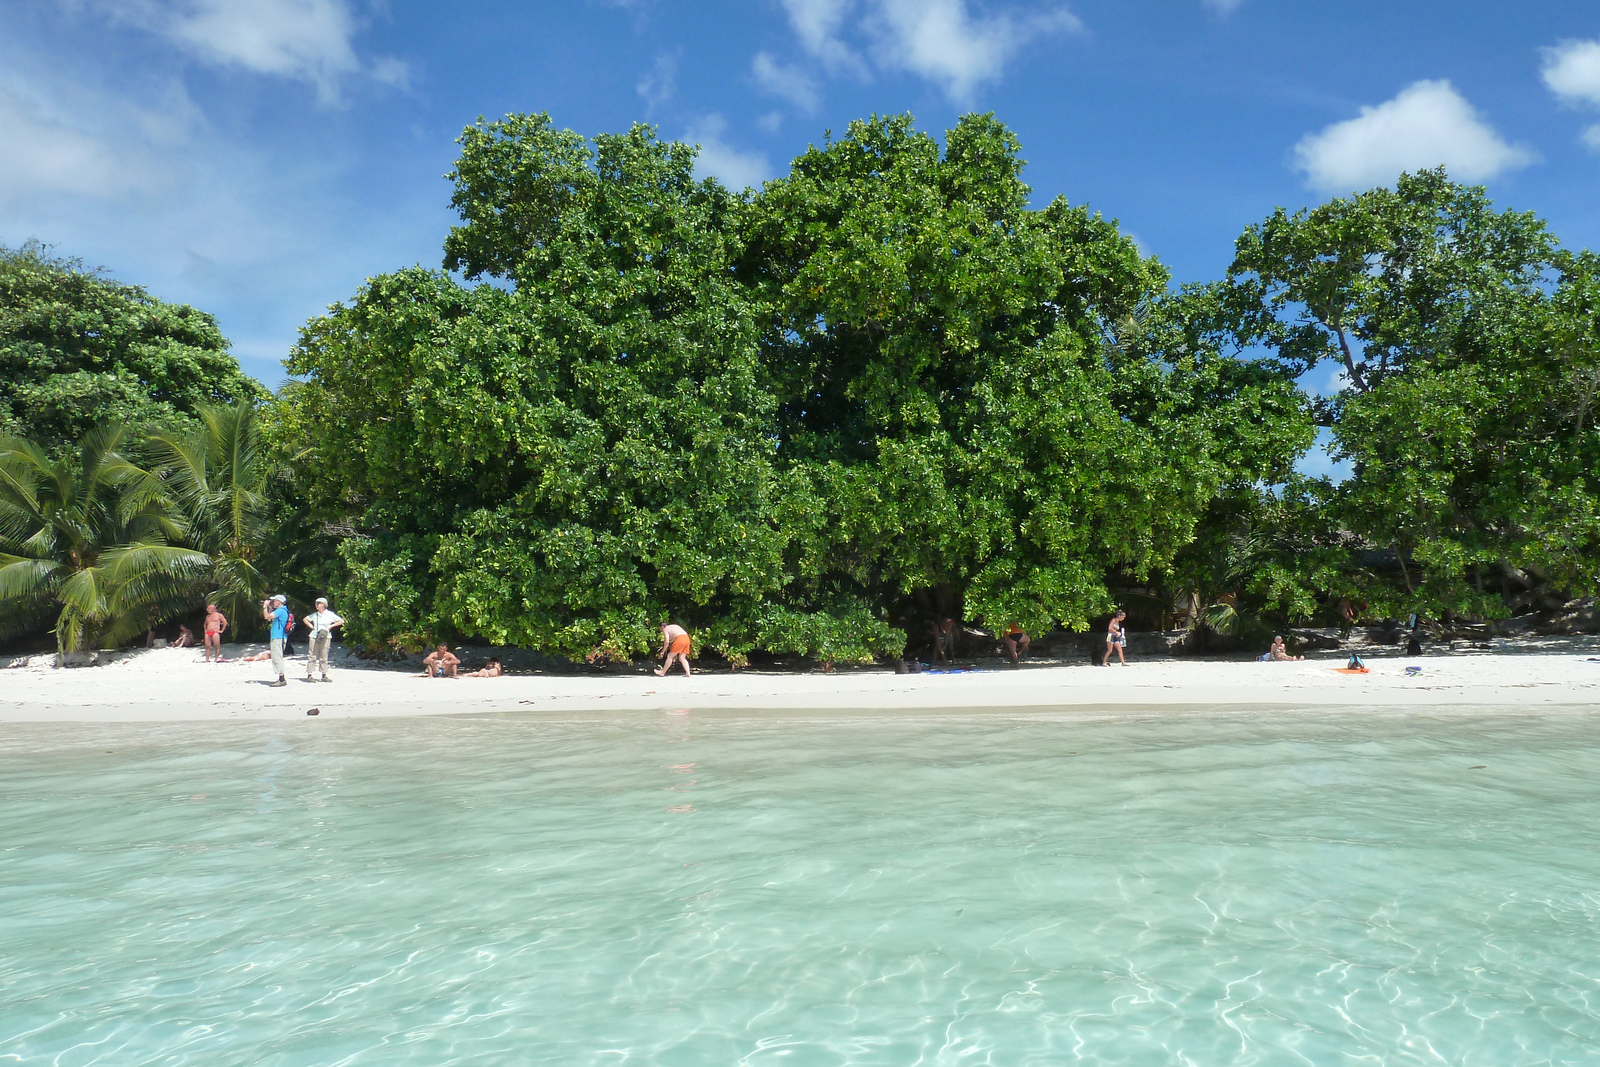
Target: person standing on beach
(321,623)
(216,626)
(674,646)
(1116,638)
(276,611)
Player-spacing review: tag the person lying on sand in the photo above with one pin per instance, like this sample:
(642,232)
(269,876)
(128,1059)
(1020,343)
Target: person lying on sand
(491,669)
(257,658)
(441,663)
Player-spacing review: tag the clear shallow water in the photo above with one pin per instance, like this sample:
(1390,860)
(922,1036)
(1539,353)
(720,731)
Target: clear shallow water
(721,889)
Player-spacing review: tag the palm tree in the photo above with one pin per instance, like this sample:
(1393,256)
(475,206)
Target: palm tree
(88,541)
(216,475)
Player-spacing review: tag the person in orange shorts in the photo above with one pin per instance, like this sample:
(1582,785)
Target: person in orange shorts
(674,646)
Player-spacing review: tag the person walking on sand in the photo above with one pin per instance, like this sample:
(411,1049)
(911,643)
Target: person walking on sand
(216,626)
(276,611)
(321,623)
(674,646)
(1117,638)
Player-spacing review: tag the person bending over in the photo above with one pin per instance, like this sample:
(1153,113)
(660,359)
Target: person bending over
(441,663)
(1016,642)
(674,646)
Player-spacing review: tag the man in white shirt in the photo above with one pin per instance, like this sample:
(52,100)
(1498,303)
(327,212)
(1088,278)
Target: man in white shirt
(321,623)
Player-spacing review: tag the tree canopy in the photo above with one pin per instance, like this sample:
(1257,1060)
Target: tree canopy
(793,418)
(78,349)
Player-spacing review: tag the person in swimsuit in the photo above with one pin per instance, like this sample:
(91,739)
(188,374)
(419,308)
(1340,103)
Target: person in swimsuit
(216,626)
(944,641)
(492,669)
(441,663)
(1280,653)
(674,646)
(1016,642)
(185,637)
(1116,638)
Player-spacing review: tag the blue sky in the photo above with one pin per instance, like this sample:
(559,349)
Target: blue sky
(260,159)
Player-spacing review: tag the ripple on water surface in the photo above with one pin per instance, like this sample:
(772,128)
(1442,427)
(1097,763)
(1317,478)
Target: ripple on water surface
(723,888)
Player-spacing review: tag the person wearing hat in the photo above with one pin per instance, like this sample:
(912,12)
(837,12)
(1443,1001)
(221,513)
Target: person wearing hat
(321,624)
(275,610)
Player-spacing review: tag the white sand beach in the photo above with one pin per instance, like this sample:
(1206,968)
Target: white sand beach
(176,684)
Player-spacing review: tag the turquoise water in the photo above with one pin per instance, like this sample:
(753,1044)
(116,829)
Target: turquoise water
(851,889)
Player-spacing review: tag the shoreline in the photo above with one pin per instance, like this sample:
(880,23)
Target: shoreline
(175,685)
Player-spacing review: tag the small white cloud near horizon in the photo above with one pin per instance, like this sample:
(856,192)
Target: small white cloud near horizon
(302,40)
(1428,124)
(735,168)
(1571,71)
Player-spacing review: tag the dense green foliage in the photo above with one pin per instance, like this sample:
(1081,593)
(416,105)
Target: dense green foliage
(88,544)
(809,419)
(78,349)
(882,385)
(1470,356)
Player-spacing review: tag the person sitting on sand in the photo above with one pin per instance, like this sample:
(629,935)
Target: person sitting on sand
(1280,652)
(185,637)
(674,646)
(1116,638)
(440,663)
(1016,642)
(491,669)
(216,626)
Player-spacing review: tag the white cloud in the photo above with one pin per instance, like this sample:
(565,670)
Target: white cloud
(818,24)
(1426,125)
(786,81)
(734,168)
(942,42)
(53,150)
(660,81)
(304,40)
(939,40)
(1572,71)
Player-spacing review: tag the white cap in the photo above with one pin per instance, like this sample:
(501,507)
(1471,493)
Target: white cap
(322,600)
(279,596)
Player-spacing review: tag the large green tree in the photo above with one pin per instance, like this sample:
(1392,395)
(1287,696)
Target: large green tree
(987,404)
(87,542)
(78,349)
(565,459)
(1467,345)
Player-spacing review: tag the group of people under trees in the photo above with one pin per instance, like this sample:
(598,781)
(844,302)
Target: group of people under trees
(676,644)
